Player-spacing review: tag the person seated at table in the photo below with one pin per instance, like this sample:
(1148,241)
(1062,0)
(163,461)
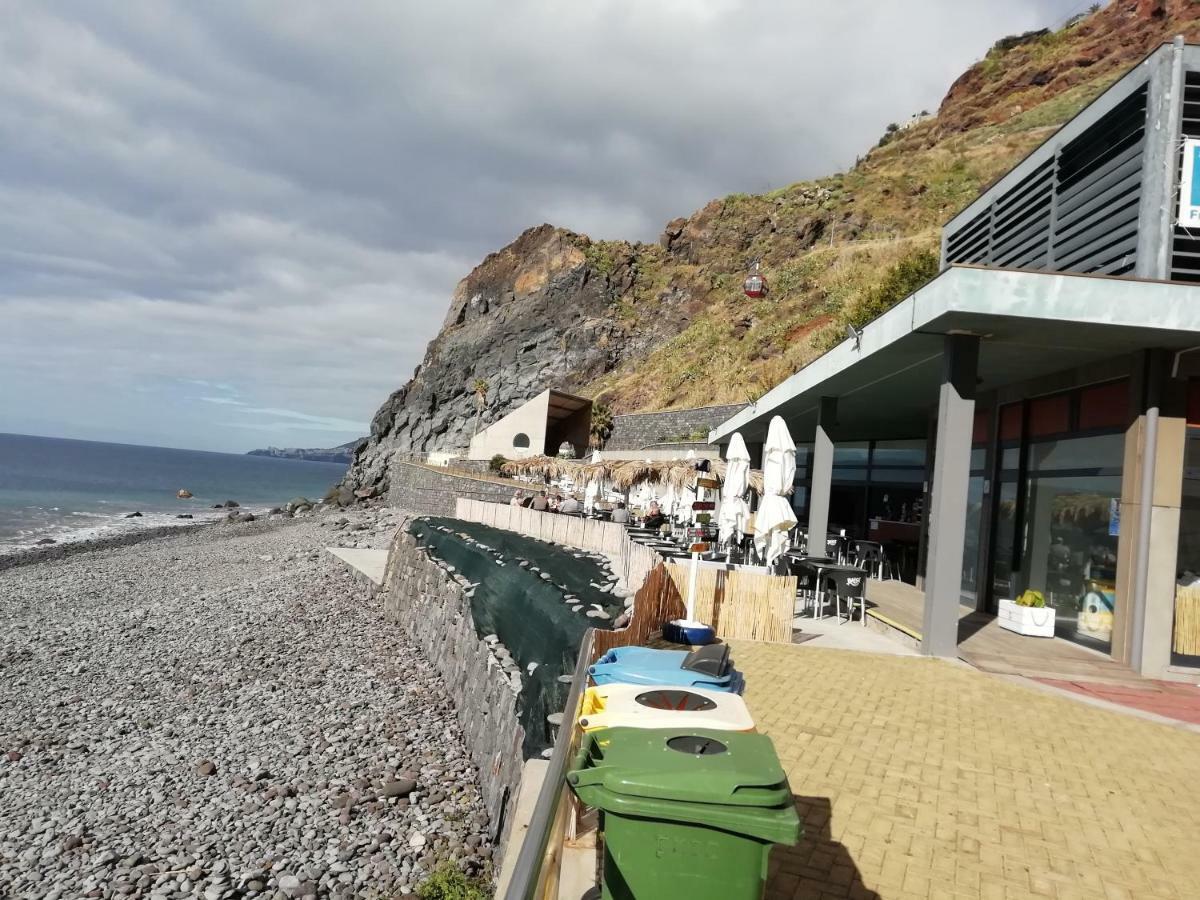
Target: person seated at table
(540,503)
(554,503)
(654,516)
(620,515)
(518,499)
(570,506)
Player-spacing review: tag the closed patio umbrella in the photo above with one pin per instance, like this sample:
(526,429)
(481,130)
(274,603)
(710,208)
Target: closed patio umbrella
(734,510)
(775,517)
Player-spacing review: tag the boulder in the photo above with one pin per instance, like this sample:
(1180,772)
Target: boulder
(297,502)
(183,516)
(133,515)
(245,517)
(47,541)
(231,504)
(183,494)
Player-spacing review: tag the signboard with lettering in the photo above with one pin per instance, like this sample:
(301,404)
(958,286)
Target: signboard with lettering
(1189,185)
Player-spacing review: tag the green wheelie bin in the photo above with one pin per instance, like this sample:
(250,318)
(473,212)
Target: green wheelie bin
(686,813)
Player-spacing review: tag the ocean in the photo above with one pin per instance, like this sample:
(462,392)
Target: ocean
(71,490)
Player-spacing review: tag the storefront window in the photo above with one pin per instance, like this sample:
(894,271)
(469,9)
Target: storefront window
(1072,521)
(1185,632)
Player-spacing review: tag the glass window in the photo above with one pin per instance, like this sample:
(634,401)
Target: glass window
(968,593)
(1104,406)
(1102,452)
(1050,415)
(1071,553)
(1185,640)
(1010,422)
(899,453)
(849,474)
(897,476)
(852,454)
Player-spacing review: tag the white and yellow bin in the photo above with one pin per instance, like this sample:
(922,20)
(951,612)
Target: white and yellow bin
(662,706)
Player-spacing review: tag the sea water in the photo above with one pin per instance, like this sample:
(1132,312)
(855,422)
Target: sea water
(69,490)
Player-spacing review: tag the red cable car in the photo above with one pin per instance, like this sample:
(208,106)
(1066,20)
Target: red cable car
(755,285)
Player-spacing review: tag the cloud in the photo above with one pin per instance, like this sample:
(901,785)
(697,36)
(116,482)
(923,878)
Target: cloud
(278,198)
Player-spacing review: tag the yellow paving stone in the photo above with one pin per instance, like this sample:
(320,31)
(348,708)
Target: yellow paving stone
(926,778)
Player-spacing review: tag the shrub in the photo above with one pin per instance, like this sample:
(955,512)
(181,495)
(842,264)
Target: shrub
(1031,598)
(448,883)
(496,463)
(906,276)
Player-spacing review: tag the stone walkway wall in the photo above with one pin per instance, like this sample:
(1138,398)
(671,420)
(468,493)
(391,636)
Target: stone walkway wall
(637,431)
(428,491)
(429,602)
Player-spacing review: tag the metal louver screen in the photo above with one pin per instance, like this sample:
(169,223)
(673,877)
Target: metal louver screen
(1077,210)
(1185,253)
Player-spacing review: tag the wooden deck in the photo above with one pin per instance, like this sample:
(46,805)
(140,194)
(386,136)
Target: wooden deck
(990,648)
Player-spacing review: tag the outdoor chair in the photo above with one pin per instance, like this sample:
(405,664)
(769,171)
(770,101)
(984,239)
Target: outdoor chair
(853,590)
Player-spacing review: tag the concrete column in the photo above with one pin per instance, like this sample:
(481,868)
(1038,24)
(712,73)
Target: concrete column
(948,501)
(822,475)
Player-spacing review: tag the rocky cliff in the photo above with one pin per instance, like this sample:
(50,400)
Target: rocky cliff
(665,325)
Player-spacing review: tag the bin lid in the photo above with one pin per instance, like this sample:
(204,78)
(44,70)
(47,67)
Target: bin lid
(711,659)
(688,765)
(663,706)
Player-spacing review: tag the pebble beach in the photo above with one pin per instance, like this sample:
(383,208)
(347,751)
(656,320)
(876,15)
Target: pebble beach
(223,712)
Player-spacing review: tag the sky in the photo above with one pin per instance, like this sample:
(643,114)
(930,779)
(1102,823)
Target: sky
(227,225)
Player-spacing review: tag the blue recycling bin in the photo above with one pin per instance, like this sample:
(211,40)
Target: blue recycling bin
(707,667)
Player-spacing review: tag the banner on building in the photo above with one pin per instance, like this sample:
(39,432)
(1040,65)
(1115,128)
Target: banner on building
(1189,185)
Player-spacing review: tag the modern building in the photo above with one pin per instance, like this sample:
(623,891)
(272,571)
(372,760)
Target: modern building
(1030,419)
(539,426)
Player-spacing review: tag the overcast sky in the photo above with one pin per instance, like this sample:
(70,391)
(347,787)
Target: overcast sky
(225,225)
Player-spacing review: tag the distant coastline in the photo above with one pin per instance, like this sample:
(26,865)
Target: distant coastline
(343,453)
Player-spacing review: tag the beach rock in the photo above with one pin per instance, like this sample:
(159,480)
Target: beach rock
(231,504)
(183,494)
(267,677)
(183,515)
(133,515)
(401,787)
(47,541)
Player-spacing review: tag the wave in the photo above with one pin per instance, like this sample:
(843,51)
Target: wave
(105,525)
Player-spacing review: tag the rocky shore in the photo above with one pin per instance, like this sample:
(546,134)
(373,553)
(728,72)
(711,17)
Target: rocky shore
(223,713)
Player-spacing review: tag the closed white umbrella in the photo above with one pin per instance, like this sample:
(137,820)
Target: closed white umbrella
(775,517)
(590,494)
(734,512)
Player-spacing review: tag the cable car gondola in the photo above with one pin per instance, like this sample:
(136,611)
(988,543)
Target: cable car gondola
(755,285)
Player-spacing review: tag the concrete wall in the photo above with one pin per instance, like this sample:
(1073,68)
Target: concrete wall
(528,419)
(638,430)
(429,603)
(433,491)
(1159,613)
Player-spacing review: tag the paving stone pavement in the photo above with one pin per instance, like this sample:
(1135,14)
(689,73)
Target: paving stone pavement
(926,778)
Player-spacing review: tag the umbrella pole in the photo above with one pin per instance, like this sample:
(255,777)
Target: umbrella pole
(691,598)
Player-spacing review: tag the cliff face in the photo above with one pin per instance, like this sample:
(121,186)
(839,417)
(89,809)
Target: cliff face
(540,313)
(657,326)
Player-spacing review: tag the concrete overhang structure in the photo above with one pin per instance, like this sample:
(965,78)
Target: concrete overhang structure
(538,426)
(1029,323)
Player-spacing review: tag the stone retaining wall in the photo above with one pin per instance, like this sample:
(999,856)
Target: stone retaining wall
(638,430)
(432,491)
(429,602)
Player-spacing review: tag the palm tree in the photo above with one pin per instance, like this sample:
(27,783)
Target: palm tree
(602,424)
(480,387)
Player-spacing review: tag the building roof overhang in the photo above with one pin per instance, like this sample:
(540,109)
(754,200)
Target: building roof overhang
(1030,323)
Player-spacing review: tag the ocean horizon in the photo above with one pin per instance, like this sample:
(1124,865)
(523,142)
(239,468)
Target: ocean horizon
(66,489)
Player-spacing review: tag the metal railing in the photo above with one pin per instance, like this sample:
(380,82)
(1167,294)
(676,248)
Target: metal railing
(529,877)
